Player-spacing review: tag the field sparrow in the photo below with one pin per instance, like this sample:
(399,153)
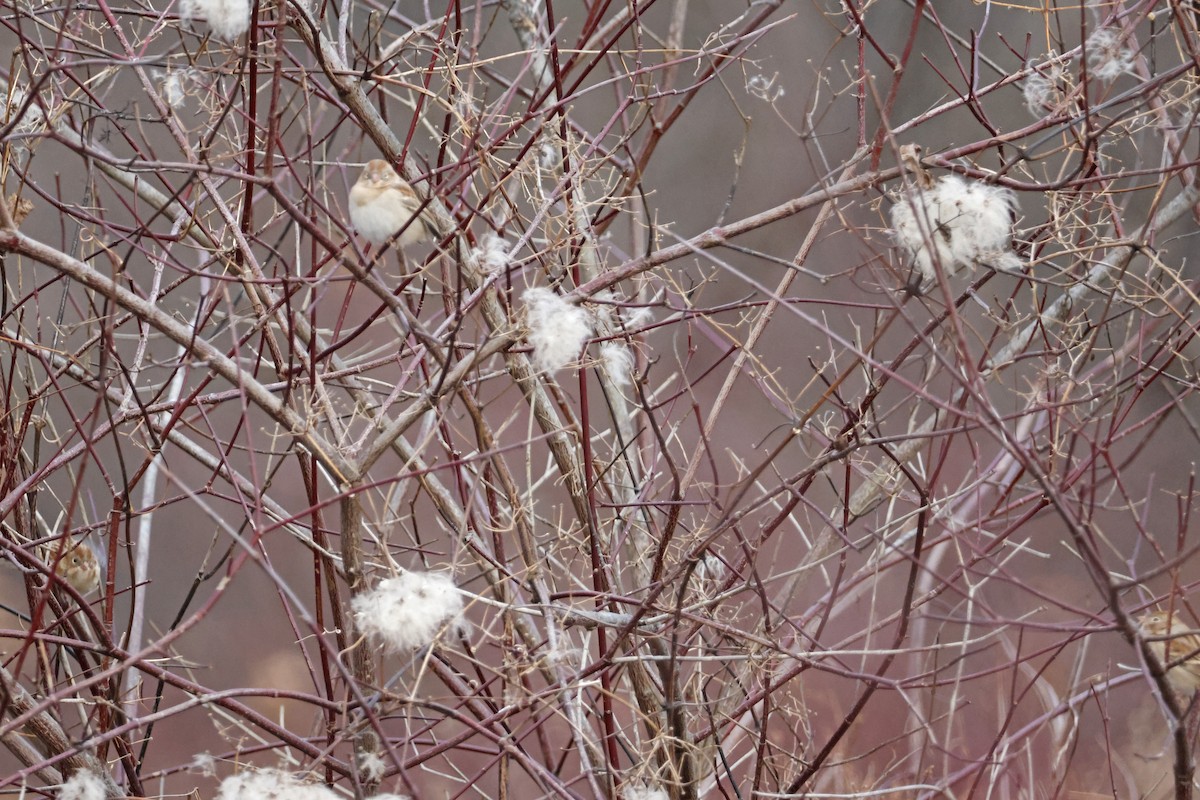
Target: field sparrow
(382,203)
(1182,647)
(80,568)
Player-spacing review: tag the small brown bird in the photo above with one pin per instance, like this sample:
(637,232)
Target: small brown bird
(382,203)
(80,568)
(1183,647)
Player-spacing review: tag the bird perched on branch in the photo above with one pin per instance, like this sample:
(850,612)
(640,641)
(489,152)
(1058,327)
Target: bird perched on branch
(382,204)
(79,567)
(1173,641)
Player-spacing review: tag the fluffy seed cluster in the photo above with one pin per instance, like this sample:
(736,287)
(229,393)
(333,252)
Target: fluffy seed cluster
(557,329)
(176,85)
(619,359)
(1045,91)
(1106,58)
(203,763)
(83,785)
(172,90)
(492,254)
(549,156)
(274,784)
(954,225)
(645,793)
(408,611)
(271,784)
(227,19)
(710,568)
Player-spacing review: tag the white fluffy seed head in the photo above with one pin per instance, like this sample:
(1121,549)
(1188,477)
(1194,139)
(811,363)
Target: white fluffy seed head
(271,784)
(172,90)
(710,568)
(637,316)
(83,785)
(1106,58)
(203,763)
(1038,93)
(227,19)
(618,359)
(955,225)
(1046,90)
(408,611)
(557,329)
(549,156)
(176,85)
(644,792)
(492,254)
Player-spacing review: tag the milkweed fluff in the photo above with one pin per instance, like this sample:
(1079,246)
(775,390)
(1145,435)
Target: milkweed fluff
(557,329)
(227,19)
(955,224)
(409,610)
